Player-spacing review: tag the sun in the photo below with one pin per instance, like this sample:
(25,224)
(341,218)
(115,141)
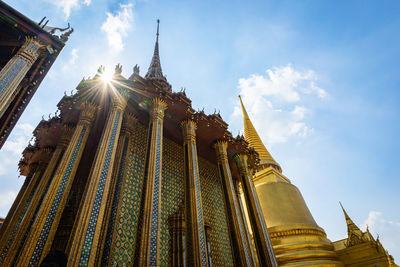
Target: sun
(106,76)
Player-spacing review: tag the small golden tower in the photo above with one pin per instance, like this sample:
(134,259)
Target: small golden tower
(296,238)
(361,249)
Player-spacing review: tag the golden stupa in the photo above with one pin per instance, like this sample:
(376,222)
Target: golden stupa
(296,238)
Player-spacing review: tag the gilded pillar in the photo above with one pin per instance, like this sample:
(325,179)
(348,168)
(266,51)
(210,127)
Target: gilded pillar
(115,253)
(265,253)
(40,238)
(38,196)
(243,255)
(242,216)
(15,70)
(85,246)
(195,233)
(149,248)
(9,236)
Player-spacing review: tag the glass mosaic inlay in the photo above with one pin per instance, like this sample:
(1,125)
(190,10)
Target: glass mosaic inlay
(34,261)
(114,205)
(171,193)
(156,198)
(87,245)
(199,210)
(15,69)
(127,217)
(214,213)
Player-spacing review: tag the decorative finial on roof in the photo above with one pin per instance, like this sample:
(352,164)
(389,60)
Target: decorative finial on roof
(158,27)
(155,71)
(118,69)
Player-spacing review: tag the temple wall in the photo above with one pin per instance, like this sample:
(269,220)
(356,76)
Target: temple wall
(215,213)
(131,185)
(171,192)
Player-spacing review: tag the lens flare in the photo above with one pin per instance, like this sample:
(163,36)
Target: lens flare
(106,76)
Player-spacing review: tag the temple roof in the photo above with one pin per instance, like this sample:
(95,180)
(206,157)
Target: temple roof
(355,235)
(254,140)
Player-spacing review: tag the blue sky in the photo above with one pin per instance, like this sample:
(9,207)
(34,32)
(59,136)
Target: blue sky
(319,79)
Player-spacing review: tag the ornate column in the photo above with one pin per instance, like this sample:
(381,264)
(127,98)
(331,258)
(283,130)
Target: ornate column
(112,253)
(149,247)
(265,253)
(15,70)
(40,238)
(243,220)
(237,229)
(39,195)
(195,233)
(85,246)
(9,236)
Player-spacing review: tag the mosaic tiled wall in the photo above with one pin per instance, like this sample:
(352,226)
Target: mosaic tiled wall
(172,192)
(215,214)
(127,218)
(172,198)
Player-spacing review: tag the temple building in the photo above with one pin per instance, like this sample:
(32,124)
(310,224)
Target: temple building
(27,52)
(129,174)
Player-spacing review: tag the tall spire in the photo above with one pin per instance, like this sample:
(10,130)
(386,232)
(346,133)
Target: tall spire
(251,136)
(155,71)
(355,235)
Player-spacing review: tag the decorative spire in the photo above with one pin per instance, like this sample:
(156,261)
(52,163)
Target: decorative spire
(155,71)
(251,136)
(355,235)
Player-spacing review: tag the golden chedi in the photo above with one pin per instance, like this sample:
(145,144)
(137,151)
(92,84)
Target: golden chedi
(296,238)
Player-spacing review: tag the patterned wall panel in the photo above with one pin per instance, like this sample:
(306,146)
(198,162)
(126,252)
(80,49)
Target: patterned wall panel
(127,219)
(215,214)
(171,191)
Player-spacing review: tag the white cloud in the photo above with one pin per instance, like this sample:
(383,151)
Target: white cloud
(74,56)
(68,5)
(373,218)
(284,83)
(274,102)
(116,26)
(387,229)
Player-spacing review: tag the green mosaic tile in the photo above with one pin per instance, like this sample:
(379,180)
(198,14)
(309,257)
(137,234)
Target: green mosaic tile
(127,218)
(171,192)
(215,214)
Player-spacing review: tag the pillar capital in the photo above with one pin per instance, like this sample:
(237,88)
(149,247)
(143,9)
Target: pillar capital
(119,100)
(88,110)
(189,128)
(158,107)
(30,50)
(128,123)
(221,149)
(241,162)
(66,133)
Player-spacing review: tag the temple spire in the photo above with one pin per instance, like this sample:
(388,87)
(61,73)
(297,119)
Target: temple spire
(155,71)
(355,235)
(252,137)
